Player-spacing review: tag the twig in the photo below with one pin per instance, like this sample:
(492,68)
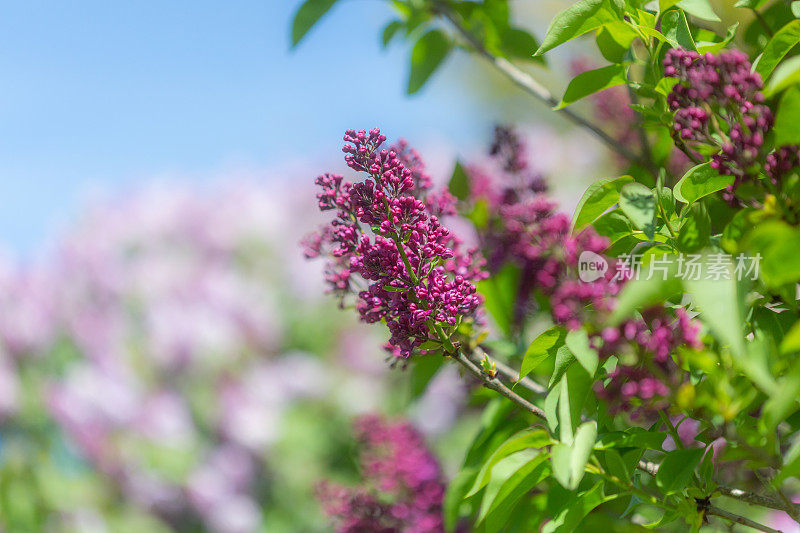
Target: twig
(757,499)
(650,468)
(525,81)
(513,376)
(715,511)
(742,495)
(496,385)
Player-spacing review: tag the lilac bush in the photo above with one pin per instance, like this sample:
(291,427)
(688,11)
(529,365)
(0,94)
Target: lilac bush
(638,354)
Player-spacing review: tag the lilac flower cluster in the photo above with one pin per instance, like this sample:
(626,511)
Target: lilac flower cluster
(387,232)
(402,489)
(527,230)
(645,373)
(718,102)
(781,161)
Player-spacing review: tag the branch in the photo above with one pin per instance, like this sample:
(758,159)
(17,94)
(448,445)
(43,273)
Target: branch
(715,511)
(496,385)
(513,375)
(757,499)
(742,495)
(525,81)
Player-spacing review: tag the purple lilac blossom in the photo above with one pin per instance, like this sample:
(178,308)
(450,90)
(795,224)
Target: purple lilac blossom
(402,490)
(387,239)
(718,102)
(526,229)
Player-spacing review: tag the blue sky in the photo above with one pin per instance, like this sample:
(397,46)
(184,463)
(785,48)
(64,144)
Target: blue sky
(100,94)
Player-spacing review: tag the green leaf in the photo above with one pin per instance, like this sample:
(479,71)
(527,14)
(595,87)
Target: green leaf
(390,31)
(779,247)
(782,400)
(542,348)
(598,198)
(518,43)
(307,15)
(569,462)
(512,478)
(719,301)
(422,371)
(641,293)
(614,40)
(632,438)
(704,47)
(791,342)
(676,469)
(551,405)
(788,117)
(698,182)
(571,516)
(665,85)
(564,359)
(527,438)
(575,386)
(615,465)
(580,18)
(795,7)
(459,185)
(778,46)
(676,30)
(695,233)
(639,203)
(751,4)
(499,293)
(578,343)
(428,54)
(454,497)
(791,462)
(785,75)
(592,81)
(614,225)
(664,5)
(699,8)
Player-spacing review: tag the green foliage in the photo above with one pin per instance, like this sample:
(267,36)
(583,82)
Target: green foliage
(698,182)
(428,54)
(788,117)
(589,465)
(584,16)
(676,469)
(544,347)
(598,198)
(638,203)
(459,182)
(307,16)
(593,81)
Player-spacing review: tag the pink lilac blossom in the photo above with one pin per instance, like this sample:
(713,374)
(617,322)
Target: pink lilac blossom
(718,102)
(387,235)
(526,229)
(402,489)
